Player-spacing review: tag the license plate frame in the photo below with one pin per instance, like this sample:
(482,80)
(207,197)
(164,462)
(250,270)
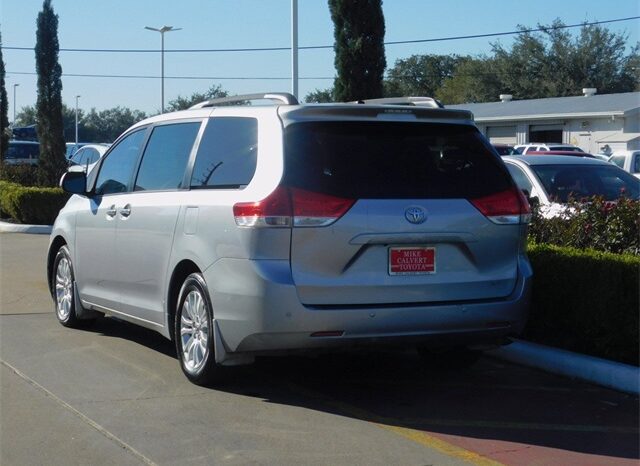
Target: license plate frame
(411,260)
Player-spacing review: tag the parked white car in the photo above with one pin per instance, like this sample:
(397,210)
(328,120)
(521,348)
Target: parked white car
(628,160)
(544,147)
(88,156)
(555,179)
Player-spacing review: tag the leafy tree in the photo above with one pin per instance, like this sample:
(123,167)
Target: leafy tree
(320,96)
(4,110)
(551,63)
(474,80)
(420,75)
(359,48)
(94,126)
(26,116)
(183,103)
(52,161)
(107,125)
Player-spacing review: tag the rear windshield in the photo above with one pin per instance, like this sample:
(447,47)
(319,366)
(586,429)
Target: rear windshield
(566,148)
(383,160)
(564,182)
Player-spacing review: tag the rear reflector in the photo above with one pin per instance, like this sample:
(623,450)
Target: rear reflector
(330,333)
(508,207)
(286,207)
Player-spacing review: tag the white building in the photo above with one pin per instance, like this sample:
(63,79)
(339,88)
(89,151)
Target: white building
(591,121)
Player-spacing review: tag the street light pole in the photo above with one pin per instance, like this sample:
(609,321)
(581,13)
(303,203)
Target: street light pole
(14,103)
(294,47)
(162,30)
(77,97)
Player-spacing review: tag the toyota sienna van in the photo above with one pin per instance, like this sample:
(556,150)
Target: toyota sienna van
(244,230)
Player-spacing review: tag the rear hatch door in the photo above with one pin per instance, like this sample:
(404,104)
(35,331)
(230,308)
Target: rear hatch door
(413,234)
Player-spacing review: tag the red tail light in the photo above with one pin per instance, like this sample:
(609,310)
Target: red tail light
(506,207)
(286,207)
(315,209)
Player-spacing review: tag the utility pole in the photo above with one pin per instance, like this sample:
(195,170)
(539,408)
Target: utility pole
(14,103)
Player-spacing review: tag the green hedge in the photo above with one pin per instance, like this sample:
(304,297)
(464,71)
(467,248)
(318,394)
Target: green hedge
(585,301)
(31,205)
(23,174)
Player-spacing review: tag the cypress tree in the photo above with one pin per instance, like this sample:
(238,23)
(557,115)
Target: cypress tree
(4,109)
(359,48)
(50,126)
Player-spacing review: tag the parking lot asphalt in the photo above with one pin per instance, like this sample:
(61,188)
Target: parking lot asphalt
(114,394)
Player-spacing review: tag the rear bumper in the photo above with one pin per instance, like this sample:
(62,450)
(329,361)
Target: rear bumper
(257,309)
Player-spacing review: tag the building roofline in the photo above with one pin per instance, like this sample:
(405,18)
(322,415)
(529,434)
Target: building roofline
(550,116)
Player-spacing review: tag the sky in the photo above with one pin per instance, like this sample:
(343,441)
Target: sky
(233,24)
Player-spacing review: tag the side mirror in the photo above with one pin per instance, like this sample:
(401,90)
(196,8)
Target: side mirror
(74,182)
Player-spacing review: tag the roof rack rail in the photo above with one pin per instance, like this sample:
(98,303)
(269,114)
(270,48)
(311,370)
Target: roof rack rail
(414,101)
(282,97)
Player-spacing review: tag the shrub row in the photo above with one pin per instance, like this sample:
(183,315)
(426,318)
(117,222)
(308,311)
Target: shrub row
(26,175)
(31,205)
(585,301)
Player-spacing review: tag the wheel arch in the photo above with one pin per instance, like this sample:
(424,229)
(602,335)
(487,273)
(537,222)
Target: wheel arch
(181,271)
(56,244)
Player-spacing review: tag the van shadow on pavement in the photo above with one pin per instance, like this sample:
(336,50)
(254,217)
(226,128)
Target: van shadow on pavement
(492,401)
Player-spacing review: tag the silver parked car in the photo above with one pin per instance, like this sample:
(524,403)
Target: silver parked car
(243,230)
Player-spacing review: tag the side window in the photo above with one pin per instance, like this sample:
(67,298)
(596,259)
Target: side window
(117,168)
(227,154)
(636,163)
(165,157)
(519,177)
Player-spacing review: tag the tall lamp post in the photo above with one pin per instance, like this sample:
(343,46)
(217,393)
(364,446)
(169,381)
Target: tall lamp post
(14,103)
(294,47)
(77,97)
(162,30)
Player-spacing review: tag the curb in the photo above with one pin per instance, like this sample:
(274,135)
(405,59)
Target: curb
(6,227)
(611,374)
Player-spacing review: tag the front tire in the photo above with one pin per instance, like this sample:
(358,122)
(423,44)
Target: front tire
(194,332)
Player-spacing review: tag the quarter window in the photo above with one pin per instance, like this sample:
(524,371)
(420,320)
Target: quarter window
(117,168)
(227,154)
(521,179)
(617,160)
(165,157)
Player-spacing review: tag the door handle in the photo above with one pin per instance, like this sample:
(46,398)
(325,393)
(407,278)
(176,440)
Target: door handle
(111,211)
(125,211)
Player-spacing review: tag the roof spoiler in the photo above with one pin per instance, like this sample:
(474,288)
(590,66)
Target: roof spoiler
(413,101)
(277,97)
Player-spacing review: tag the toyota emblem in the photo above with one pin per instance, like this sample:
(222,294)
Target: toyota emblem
(415,215)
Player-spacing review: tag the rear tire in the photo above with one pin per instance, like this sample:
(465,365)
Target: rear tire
(194,332)
(64,291)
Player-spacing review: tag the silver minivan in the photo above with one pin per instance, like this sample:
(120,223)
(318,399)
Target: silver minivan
(245,230)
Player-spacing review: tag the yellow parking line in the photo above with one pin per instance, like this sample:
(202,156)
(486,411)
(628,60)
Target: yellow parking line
(414,435)
(440,445)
